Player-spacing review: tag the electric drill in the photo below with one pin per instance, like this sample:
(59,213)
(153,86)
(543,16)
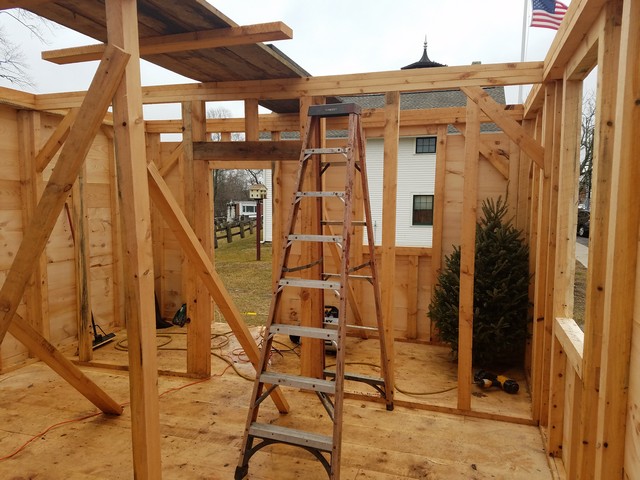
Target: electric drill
(487,379)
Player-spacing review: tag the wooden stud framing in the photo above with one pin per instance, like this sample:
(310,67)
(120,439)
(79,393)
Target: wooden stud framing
(175,218)
(312,300)
(122,27)
(251,126)
(515,131)
(412,297)
(60,182)
(467,256)
(372,120)
(608,54)
(116,234)
(172,161)
(542,251)
(438,207)
(621,282)
(498,158)
(180,42)
(35,295)
(44,350)
(198,201)
(154,155)
(388,250)
(55,141)
(79,224)
(552,149)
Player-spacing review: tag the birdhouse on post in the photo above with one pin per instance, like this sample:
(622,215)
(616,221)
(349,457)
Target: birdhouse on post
(258,191)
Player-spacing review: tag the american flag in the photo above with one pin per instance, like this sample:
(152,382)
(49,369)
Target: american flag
(548,13)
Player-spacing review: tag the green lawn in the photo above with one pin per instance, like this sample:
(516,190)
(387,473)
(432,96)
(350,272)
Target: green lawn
(247,280)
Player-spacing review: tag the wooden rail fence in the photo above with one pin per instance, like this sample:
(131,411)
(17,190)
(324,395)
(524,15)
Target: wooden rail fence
(228,230)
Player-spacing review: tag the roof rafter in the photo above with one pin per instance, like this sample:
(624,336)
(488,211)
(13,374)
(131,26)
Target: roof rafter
(216,38)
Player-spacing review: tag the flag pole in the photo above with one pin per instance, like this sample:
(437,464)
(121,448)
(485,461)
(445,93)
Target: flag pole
(523,46)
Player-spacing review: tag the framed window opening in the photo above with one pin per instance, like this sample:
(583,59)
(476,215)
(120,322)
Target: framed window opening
(422,213)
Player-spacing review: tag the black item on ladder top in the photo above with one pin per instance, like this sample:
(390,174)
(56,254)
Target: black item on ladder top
(330,390)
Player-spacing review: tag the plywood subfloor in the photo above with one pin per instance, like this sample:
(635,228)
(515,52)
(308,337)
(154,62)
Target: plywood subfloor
(202,424)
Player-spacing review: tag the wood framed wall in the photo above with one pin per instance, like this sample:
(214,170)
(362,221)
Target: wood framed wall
(573,374)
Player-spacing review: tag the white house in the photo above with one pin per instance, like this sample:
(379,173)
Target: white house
(416,183)
(416,164)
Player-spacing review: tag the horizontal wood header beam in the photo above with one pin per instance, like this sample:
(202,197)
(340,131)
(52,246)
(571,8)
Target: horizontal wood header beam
(217,38)
(251,150)
(16,98)
(440,78)
(371,118)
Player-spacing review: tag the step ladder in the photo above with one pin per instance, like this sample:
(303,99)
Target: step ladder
(311,276)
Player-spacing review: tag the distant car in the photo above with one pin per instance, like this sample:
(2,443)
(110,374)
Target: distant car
(583,222)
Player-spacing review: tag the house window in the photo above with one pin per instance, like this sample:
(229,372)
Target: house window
(426,144)
(422,210)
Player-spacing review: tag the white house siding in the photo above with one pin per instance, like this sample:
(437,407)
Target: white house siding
(416,176)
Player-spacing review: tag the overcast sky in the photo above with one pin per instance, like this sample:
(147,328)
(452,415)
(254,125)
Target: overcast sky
(335,37)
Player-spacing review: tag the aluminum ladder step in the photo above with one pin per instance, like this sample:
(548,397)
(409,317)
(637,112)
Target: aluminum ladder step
(327,151)
(304,283)
(315,238)
(297,381)
(319,194)
(291,436)
(305,332)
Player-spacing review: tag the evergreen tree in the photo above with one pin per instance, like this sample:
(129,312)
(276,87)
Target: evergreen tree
(501,291)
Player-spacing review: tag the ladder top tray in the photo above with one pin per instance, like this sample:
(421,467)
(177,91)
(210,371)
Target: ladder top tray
(334,110)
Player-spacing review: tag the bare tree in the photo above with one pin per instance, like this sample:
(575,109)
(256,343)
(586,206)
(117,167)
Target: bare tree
(230,185)
(13,66)
(586,147)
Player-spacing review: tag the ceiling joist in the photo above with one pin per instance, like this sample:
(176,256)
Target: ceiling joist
(216,38)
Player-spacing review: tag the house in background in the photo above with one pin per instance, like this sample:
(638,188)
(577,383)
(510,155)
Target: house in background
(241,210)
(416,163)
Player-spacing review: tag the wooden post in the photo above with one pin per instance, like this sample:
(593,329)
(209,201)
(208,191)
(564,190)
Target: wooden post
(35,295)
(251,131)
(79,225)
(258,227)
(194,250)
(154,155)
(467,256)
(552,150)
(389,201)
(604,132)
(541,336)
(564,271)
(198,206)
(438,211)
(122,28)
(621,283)
(312,300)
